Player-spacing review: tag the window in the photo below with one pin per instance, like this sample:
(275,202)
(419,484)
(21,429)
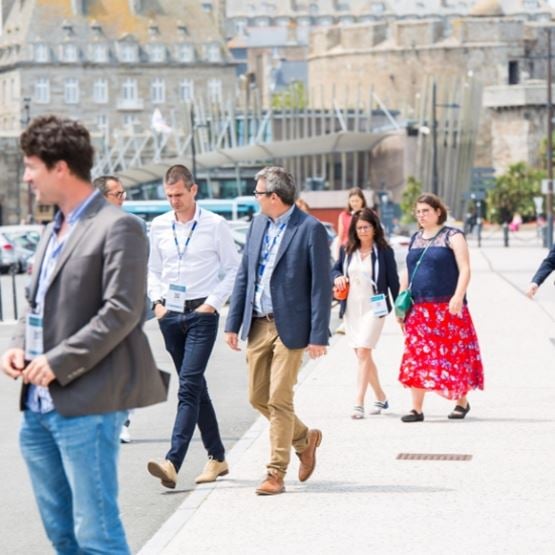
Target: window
(129,89)
(214,53)
(102,122)
(186,90)
(41,53)
(71,91)
(69,53)
(185,53)
(128,53)
(513,73)
(99,53)
(158,90)
(42,90)
(214,89)
(157,53)
(130,119)
(207,7)
(100,91)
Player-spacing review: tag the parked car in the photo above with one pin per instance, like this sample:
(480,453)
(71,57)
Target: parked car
(18,244)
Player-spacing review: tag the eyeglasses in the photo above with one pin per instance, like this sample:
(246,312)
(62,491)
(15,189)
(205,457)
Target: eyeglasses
(364,228)
(118,195)
(259,193)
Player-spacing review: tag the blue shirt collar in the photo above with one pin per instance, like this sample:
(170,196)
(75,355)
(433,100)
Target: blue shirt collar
(284,218)
(76,213)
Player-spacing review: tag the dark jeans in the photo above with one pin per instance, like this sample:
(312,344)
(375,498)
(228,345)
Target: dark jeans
(189,339)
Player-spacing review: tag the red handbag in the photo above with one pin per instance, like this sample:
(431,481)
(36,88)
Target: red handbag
(341,294)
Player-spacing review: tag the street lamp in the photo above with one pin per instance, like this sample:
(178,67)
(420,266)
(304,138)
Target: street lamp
(549,196)
(25,120)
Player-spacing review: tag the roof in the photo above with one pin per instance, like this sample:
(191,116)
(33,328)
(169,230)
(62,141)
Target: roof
(343,141)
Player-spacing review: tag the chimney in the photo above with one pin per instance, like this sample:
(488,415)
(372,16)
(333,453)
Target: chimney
(79,7)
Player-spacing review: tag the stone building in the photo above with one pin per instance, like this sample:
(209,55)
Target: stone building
(497,43)
(109,63)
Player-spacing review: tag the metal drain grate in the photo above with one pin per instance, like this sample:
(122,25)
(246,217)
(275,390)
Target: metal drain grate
(432,457)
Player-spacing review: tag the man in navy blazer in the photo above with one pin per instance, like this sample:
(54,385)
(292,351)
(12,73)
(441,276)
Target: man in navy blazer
(546,267)
(281,300)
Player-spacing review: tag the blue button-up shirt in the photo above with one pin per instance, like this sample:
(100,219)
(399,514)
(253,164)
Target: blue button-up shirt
(38,397)
(266,262)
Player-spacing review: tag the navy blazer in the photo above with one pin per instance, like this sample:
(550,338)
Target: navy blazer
(388,278)
(546,267)
(300,284)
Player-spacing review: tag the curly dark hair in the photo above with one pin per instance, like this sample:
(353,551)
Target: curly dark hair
(53,139)
(366,215)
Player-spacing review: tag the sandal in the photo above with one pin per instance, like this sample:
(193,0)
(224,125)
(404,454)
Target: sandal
(413,416)
(459,412)
(358,412)
(378,407)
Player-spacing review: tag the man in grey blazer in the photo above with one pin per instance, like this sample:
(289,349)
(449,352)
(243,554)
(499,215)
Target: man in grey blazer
(80,350)
(281,300)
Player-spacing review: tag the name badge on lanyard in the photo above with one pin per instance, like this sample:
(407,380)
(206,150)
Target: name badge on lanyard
(33,336)
(378,305)
(175,299)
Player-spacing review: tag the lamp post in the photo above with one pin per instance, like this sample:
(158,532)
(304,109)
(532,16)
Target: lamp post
(25,120)
(435,172)
(549,195)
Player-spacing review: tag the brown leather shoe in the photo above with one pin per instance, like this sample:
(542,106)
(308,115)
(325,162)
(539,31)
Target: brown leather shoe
(165,471)
(272,485)
(308,456)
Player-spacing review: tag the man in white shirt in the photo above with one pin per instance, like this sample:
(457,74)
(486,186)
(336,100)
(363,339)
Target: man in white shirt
(192,266)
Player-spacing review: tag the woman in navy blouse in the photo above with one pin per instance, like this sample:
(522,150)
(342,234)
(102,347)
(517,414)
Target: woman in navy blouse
(441,348)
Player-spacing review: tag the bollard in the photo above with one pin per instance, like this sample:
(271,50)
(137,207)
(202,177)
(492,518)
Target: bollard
(505,234)
(13,272)
(479,232)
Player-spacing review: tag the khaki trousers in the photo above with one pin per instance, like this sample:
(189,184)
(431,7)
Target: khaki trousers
(273,370)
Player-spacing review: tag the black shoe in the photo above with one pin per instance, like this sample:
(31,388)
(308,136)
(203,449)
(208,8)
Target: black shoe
(459,412)
(413,416)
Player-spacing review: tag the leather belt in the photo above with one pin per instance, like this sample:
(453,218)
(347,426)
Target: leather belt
(192,304)
(268,317)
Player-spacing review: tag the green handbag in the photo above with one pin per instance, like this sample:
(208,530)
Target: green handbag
(403,303)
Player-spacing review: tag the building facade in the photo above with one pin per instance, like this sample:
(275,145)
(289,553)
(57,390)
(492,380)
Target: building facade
(112,64)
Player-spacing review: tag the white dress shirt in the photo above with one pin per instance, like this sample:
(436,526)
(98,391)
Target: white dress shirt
(208,263)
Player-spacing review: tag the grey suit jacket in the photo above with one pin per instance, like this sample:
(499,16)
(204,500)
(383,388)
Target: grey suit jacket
(300,285)
(93,315)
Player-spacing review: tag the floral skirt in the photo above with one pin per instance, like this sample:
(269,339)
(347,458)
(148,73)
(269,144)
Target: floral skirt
(441,351)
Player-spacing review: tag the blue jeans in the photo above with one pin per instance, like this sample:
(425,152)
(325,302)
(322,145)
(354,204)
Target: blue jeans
(72,463)
(189,338)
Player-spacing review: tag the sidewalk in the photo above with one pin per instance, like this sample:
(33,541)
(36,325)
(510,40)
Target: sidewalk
(361,497)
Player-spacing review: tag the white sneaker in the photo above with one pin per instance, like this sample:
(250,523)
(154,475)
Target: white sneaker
(125,436)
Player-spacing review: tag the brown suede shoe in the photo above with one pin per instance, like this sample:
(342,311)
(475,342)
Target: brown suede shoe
(272,485)
(165,471)
(308,456)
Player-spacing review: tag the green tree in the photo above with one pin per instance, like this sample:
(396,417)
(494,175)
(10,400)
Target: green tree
(294,96)
(412,191)
(514,191)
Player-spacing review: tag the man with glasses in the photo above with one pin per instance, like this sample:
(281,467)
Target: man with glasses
(111,189)
(191,269)
(281,300)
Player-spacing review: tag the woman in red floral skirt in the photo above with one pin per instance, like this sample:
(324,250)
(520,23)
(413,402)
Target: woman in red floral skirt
(441,348)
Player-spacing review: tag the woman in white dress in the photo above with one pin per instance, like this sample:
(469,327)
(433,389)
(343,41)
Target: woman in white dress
(367,265)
